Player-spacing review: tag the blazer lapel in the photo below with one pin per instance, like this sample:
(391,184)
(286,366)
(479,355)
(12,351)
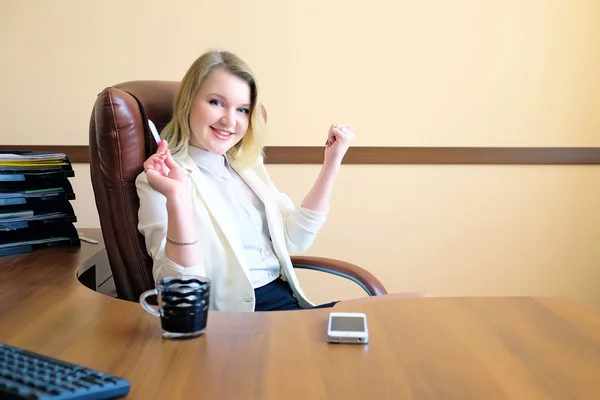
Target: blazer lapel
(276,229)
(255,183)
(217,210)
(262,192)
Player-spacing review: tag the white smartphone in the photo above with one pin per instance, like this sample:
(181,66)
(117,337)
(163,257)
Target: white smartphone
(346,327)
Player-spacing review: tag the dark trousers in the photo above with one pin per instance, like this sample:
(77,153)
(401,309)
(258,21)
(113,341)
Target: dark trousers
(278,296)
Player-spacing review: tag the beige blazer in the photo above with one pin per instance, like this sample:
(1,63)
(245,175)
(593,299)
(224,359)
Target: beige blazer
(223,260)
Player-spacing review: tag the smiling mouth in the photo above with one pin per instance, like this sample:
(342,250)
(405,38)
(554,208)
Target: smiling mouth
(221,134)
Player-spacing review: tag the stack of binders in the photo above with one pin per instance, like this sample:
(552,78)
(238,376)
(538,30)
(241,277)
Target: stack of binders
(35,208)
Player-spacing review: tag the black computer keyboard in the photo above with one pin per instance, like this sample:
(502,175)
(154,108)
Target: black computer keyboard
(32,376)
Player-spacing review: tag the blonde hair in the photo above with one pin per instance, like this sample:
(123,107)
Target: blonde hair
(178,131)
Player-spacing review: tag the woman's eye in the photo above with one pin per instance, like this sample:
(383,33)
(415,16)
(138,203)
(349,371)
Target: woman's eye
(244,110)
(215,102)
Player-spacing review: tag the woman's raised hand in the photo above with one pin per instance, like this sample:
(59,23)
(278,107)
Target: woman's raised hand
(164,174)
(339,140)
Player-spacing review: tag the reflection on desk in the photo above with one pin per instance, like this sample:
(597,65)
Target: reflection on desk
(428,348)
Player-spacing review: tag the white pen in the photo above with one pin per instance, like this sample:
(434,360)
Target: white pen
(154,132)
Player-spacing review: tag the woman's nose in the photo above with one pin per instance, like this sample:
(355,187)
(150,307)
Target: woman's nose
(228,120)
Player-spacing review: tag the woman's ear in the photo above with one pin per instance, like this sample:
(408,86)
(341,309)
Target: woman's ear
(263,110)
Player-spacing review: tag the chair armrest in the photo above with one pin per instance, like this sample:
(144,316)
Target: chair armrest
(358,275)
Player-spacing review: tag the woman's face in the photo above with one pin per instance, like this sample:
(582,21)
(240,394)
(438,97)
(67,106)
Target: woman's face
(220,113)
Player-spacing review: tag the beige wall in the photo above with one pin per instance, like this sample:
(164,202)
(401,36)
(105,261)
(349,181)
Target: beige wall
(432,73)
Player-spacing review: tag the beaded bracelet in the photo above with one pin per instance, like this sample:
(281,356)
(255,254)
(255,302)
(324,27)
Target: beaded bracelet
(182,243)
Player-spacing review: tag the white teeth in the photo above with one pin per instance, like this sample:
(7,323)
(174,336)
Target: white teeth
(220,132)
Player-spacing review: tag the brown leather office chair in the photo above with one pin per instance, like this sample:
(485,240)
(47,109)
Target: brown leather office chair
(120,141)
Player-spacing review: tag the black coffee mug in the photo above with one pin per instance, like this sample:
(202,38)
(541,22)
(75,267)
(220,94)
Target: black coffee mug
(182,305)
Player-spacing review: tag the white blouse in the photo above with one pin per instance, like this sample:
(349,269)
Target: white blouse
(249,212)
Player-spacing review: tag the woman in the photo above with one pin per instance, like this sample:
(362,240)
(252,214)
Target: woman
(207,204)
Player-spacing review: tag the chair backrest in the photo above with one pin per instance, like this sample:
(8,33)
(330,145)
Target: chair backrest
(120,142)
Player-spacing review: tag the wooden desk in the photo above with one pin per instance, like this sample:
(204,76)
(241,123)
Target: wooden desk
(429,348)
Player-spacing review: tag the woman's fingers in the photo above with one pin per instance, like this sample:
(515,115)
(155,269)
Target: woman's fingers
(341,133)
(169,161)
(338,134)
(158,158)
(176,170)
(156,180)
(163,147)
(154,161)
